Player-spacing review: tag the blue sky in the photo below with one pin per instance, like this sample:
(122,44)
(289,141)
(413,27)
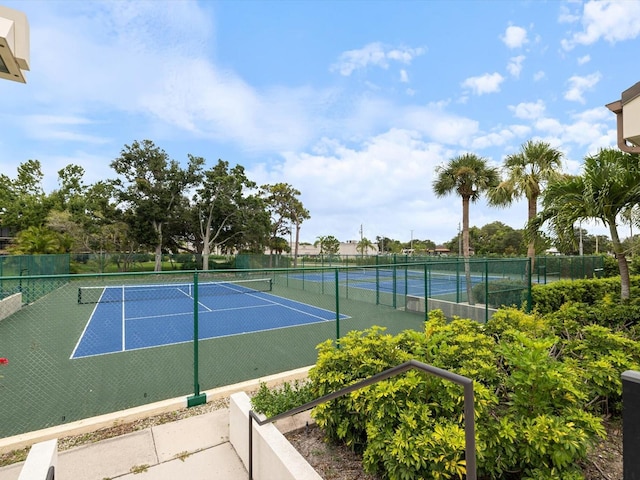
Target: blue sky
(354,103)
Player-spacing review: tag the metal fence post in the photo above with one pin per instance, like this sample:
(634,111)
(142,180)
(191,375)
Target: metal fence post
(337,276)
(197,398)
(630,424)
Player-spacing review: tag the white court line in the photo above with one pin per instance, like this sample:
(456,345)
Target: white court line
(84,330)
(190,313)
(295,309)
(271,303)
(191,297)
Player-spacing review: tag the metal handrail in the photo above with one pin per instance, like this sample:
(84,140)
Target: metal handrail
(469,421)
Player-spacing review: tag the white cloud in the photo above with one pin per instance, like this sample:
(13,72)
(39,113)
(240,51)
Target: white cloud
(59,127)
(539,75)
(589,129)
(404,76)
(566,16)
(549,126)
(487,83)
(385,173)
(493,139)
(514,37)
(521,130)
(436,124)
(374,54)
(579,85)
(584,59)
(528,110)
(164,79)
(514,67)
(611,20)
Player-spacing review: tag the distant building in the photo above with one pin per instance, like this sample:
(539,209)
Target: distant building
(350,247)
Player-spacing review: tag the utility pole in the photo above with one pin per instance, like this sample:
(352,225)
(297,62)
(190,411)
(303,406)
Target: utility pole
(411,242)
(581,248)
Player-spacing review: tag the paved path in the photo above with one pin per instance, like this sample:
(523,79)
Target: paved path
(193,448)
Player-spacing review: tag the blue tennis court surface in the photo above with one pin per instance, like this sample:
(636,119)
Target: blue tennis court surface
(130,318)
(400,282)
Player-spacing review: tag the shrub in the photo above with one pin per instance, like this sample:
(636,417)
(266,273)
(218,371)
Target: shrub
(501,293)
(272,402)
(530,406)
(549,298)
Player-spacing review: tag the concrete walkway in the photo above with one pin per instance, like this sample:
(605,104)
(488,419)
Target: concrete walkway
(193,448)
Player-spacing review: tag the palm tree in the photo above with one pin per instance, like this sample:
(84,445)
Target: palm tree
(609,185)
(527,172)
(320,242)
(36,240)
(467,175)
(364,245)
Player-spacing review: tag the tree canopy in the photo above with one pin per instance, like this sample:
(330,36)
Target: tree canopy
(609,184)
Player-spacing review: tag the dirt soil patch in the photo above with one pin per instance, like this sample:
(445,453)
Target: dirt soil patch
(337,462)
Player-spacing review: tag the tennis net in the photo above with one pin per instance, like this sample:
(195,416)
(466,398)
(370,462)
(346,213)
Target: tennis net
(129,293)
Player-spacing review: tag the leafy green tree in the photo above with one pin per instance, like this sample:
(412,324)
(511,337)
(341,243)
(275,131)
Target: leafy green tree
(72,194)
(388,245)
(610,183)
(70,214)
(255,221)
(104,228)
(364,245)
(279,245)
(498,239)
(527,172)
(421,246)
(38,240)
(298,215)
(217,205)
(468,176)
(329,245)
(286,210)
(152,190)
(23,201)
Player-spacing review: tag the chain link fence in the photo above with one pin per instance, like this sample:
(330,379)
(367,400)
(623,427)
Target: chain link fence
(85,345)
(81,345)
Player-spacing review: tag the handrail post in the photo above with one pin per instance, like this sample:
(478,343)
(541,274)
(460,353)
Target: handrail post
(469,408)
(250,445)
(470,432)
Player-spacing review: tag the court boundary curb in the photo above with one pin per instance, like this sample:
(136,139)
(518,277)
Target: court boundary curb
(86,425)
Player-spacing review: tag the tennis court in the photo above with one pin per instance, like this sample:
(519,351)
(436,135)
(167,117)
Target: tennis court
(93,344)
(399,281)
(131,317)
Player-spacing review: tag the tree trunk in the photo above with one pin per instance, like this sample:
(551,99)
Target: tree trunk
(205,258)
(206,249)
(295,253)
(158,265)
(623,266)
(531,248)
(465,248)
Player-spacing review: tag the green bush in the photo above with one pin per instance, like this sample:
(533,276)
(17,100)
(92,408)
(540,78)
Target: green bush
(549,298)
(272,402)
(503,293)
(610,267)
(531,407)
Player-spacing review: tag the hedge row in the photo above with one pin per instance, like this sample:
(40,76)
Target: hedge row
(549,298)
(541,385)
